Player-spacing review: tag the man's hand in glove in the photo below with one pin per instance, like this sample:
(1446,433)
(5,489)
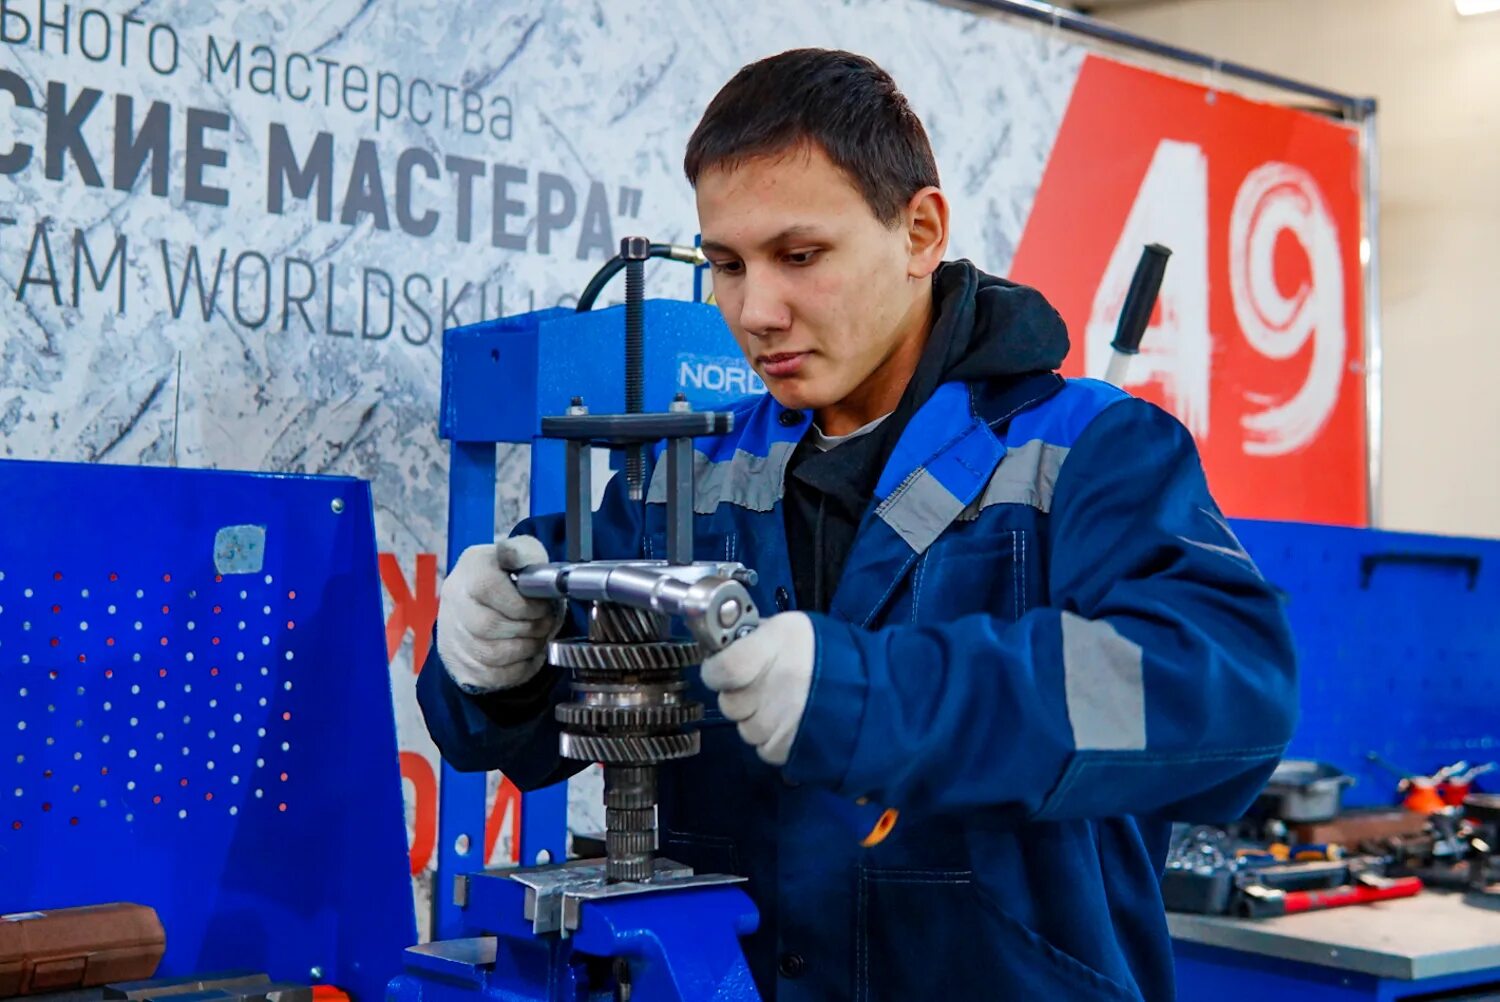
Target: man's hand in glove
(489,635)
(763,681)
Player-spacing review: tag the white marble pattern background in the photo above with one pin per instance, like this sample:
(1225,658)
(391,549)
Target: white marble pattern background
(600,91)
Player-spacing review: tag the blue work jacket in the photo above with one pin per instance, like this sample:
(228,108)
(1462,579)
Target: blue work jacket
(1046,645)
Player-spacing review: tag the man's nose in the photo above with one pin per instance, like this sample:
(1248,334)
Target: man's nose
(764,309)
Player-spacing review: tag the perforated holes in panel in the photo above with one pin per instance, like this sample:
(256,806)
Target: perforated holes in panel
(84,695)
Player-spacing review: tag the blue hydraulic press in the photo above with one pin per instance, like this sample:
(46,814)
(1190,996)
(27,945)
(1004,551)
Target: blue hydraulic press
(630,925)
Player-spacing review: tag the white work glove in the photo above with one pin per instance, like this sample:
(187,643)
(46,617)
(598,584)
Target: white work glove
(763,681)
(489,635)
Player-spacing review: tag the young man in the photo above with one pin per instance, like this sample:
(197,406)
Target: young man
(1020,618)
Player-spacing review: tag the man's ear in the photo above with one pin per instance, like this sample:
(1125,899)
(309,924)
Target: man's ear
(926,220)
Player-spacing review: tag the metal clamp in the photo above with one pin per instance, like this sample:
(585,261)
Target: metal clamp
(555,895)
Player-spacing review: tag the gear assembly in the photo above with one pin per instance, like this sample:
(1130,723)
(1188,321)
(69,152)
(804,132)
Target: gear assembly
(629,711)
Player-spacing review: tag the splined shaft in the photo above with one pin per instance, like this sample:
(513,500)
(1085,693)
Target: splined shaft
(629,713)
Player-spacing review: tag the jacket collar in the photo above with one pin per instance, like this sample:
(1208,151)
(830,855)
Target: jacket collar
(938,467)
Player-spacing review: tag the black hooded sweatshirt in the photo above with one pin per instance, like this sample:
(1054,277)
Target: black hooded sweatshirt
(984,328)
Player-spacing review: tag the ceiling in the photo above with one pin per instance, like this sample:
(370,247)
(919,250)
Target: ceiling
(1092,6)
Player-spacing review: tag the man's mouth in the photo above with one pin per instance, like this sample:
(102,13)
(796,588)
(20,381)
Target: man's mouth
(782,364)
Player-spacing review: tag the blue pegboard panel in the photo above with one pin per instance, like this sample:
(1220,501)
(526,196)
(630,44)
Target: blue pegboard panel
(195,714)
(1398,637)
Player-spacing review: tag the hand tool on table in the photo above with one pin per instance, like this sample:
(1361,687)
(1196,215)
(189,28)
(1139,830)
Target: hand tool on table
(1260,901)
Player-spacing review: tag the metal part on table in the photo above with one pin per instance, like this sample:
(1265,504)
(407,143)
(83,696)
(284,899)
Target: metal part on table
(233,986)
(1301,791)
(1210,872)
(1317,875)
(278,991)
(268,991)
(1483,807)
(1201,847)
(229,981)
(1456,850)
(1199,875)
(1358,826)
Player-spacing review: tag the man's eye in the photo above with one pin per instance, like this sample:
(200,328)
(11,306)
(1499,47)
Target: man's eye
(801,257)
(725,267)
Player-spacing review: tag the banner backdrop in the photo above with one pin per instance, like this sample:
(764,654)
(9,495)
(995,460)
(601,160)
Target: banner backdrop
(231,235)
(1257,343)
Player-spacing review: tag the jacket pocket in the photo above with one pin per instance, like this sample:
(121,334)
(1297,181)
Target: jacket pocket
(704,853)
(708,544)
(934,934)
(709,795)
(962,574)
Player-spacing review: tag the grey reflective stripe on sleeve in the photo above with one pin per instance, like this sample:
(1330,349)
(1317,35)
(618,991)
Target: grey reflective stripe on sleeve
(752,482)
(1027,475)
(1106,691)
(920,510)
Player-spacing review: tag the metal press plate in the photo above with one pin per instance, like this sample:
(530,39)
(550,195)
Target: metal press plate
(556,894)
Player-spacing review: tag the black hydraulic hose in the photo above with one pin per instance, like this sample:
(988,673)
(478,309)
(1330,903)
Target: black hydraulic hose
(634,251)
(616,264)
(596,285)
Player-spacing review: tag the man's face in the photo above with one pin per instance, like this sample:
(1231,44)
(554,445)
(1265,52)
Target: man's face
(815,289)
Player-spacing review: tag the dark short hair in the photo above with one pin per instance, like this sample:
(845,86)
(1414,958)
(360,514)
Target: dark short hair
(843,102)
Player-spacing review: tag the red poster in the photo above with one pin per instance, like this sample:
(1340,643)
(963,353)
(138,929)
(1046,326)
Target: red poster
(1257,343)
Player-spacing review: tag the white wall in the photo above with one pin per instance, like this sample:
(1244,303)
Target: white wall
(1437,78)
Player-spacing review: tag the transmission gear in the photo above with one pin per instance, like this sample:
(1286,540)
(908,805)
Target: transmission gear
(623,657)
(628,750)
(598,717)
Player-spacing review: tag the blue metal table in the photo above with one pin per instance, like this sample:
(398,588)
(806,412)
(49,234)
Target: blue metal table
(1436,942)
(1397,643)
